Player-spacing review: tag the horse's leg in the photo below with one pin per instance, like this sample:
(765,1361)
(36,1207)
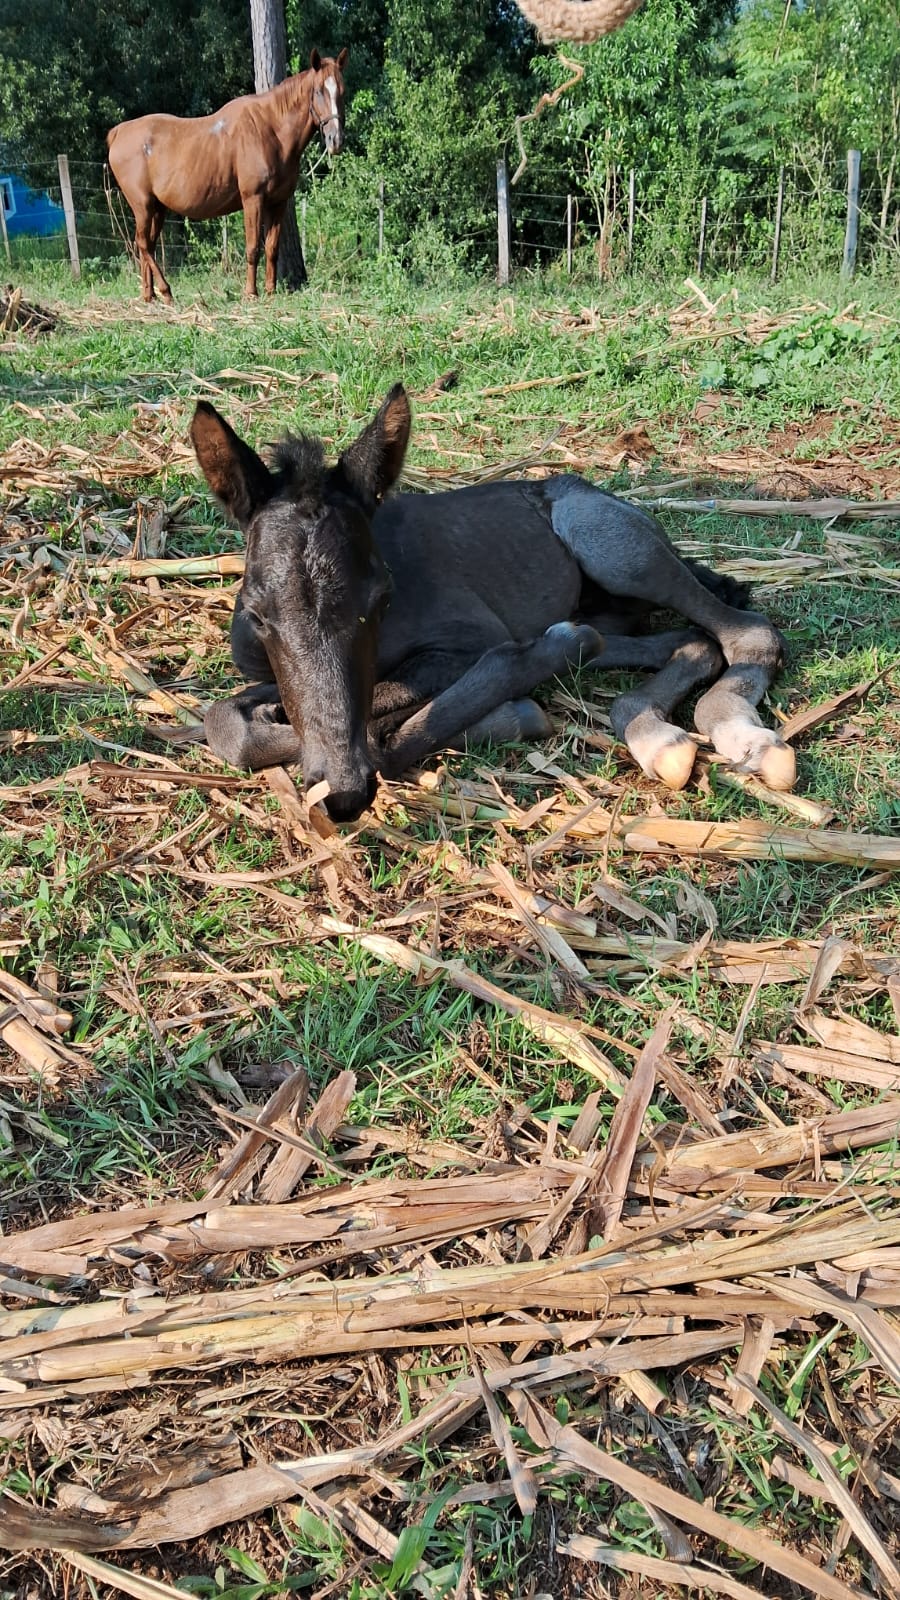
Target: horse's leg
(512,722)
(507,672)
(143,237)
(640,718)
(253,220)
(252,730)
(273,235)
(156,228)
(623,550)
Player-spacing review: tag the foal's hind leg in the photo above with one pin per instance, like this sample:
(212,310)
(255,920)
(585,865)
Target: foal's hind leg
(624,551)
(513,722)
(727,715)
(640,718)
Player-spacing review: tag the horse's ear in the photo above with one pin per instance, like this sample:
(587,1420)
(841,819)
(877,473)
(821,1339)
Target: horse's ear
(372,463)
(343,58)
(315,60)
(233,471)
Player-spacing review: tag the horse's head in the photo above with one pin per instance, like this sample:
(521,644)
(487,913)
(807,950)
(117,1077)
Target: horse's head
(326,99)
(315,586)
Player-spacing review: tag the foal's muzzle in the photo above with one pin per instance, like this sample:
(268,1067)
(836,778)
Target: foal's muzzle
(349,794)
(345,805)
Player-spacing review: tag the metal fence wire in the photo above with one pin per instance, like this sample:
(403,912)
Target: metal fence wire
(602,233)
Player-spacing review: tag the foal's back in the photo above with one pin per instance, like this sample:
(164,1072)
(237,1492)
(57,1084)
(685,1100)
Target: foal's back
(477,565)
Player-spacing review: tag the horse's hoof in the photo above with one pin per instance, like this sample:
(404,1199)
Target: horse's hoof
(582,643)
(778,767)
(674,763)
(532,721)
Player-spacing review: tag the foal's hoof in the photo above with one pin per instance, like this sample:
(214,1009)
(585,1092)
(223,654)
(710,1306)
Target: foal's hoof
(661,750)
(674,763)
(581,642)
(764,756)
(778,767)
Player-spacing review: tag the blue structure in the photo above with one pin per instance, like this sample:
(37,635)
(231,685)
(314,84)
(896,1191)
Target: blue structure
(26,211)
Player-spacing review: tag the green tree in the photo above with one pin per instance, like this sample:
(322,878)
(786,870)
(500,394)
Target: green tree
(69,69)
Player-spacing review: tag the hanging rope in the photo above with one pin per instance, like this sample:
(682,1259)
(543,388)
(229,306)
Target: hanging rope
(577,20)
(577,71)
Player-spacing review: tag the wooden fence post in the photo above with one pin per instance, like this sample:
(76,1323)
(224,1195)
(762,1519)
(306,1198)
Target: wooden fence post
(851,234)
(303,227)
(381,216)
(630,214)
(779,208)
(65,184)
(702,245)
(225,244)
(570,221)
(503,224)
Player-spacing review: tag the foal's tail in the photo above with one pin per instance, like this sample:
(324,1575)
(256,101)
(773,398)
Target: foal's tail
(728,590)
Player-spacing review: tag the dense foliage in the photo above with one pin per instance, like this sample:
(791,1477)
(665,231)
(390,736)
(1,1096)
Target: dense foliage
(694,98)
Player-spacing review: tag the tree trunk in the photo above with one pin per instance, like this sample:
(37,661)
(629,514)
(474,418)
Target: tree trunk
(269,68)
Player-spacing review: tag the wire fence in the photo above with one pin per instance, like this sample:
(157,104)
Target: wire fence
(614,229)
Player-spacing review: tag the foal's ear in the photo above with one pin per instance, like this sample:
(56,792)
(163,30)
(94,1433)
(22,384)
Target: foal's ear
(233,471)
(315,60)
(372,464)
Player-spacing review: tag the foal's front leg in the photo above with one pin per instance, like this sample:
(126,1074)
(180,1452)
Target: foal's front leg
(509,672)
(252,730)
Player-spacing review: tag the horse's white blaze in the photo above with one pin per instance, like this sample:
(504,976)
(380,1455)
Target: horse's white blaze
(331,87)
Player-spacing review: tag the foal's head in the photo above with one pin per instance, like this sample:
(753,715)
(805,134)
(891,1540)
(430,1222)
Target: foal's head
(315,586)
(326,101)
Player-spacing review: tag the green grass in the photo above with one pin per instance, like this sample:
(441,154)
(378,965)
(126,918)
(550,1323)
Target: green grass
(138,1122)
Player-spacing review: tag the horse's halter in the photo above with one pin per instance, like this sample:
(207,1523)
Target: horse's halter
(321,123)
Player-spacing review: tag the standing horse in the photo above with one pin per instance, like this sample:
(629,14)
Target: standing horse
(244,157)
(378,632)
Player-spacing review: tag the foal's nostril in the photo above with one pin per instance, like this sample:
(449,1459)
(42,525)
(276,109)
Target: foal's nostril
(345,805)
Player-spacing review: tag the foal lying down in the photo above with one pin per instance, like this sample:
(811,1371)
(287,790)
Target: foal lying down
(375,631)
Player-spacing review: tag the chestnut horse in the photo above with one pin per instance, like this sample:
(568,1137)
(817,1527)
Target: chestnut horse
(244,157)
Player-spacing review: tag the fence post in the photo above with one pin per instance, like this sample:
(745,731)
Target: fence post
(3,228)
(381,216)
(503,226)
(225,244)
(303,226)
(848,266)
(779,208)
(570,218)
(702,245)
(65,184)
(630,213)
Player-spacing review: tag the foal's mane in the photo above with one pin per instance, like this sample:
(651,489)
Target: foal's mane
(299,461)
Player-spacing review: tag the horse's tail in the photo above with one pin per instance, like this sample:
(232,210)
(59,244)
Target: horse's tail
(728,590)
